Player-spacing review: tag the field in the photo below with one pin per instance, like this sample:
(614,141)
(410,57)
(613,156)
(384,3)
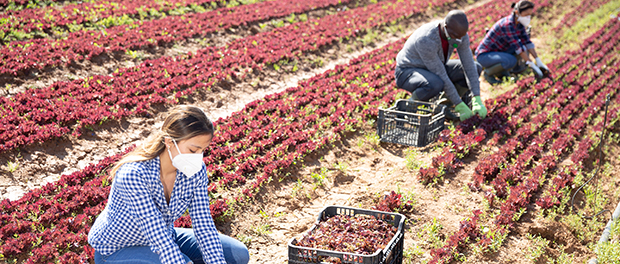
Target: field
(294,89)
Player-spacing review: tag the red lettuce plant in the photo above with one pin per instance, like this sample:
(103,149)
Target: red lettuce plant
(358,234)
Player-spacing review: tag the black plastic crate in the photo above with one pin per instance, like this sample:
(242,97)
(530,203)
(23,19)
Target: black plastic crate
(391,254)
(411,123)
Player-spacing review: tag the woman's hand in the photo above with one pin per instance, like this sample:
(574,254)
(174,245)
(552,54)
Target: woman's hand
(535,69)
(541,65)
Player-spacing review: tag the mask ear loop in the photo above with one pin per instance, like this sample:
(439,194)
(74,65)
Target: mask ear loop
(175,143)
(445,31)
(168,148)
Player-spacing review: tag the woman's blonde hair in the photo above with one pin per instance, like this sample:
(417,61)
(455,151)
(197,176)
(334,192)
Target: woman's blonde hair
(183,122)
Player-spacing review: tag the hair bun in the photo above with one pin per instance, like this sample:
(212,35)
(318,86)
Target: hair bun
(513,5)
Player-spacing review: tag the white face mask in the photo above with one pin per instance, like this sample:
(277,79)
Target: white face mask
(188,164)
(524,20)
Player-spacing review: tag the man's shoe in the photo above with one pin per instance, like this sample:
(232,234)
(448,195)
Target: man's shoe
(519,68)
(495,73)
(491,79)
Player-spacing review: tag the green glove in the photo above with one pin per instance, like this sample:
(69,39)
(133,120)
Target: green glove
(477,106)
(464,111)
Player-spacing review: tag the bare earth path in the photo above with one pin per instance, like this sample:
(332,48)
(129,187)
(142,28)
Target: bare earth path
(357,171)
(40,164)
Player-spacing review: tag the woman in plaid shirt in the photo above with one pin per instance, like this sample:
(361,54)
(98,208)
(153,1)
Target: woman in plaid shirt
(509,36)
(153,186)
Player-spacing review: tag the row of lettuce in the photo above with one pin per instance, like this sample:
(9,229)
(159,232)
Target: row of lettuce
(25,23)
(38,115)
(259,143)
(298,121)
(563,124)
(19,57)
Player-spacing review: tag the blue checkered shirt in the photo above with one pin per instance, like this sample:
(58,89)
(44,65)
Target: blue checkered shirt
(137,214)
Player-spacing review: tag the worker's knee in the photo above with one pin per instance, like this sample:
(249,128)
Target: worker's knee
(432,89)
(478,68)
(509,62)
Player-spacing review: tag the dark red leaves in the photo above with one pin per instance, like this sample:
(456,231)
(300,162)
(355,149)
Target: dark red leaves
(358,234)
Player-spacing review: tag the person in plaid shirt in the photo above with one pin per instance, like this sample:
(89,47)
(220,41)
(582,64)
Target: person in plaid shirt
(507,38)
(154,185)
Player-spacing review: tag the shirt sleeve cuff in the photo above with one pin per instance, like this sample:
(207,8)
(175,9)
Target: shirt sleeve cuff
(530,46)
(519,50)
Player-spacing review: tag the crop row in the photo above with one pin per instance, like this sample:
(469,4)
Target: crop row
(20,56)
(32,214)
(225,133)
(335,101)
(98,12)
(350,90)
(530,181)
(497,125)
(558,118)
(25,3)
(527,182)
(62,212)
(521,194)
(580,11)
(460,142)
(489,166)
(40,114)
(567,173)
(322,108)
(442,254)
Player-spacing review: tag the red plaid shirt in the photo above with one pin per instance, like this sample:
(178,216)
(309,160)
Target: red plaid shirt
(507,34)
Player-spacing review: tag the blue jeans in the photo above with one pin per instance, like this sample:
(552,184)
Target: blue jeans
(235,252)
(426,84)
(488,59)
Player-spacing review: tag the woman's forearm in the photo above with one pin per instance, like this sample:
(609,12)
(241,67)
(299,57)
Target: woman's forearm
(533,52)
(524,56)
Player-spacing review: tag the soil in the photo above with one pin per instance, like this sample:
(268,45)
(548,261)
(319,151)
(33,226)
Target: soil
(39,164)
(358,170)
(106,64)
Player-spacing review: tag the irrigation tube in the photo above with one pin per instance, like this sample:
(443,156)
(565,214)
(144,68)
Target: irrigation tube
(607,231)
(614,216)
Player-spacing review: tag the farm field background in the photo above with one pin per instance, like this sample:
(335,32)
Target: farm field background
(294,88)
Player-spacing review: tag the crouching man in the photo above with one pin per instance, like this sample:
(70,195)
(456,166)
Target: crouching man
(423,67)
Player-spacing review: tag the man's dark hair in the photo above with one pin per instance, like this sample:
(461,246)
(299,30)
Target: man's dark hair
(456,20)
(522,5)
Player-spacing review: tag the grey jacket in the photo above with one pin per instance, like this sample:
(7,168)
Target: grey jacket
(423,50)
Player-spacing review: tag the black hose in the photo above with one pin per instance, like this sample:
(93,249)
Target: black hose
(600,158)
